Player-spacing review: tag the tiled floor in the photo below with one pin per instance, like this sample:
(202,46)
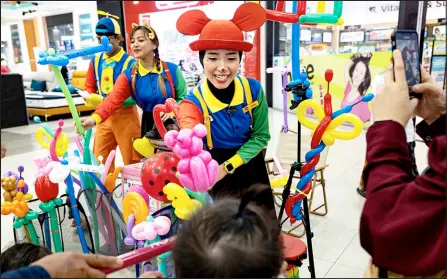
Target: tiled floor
(336,242)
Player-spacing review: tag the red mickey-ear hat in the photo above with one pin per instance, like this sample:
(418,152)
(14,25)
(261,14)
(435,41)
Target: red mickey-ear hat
(222,34)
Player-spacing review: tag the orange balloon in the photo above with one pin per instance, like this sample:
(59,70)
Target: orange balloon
(134,203)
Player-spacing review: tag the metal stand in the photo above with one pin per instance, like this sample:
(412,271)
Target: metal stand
(305,210)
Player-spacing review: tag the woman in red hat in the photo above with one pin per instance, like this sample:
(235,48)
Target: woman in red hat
(232,107)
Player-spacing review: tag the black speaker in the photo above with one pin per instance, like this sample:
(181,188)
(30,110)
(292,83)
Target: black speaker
(13,104)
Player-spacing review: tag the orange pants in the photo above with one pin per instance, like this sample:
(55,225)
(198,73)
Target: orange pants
(119,129)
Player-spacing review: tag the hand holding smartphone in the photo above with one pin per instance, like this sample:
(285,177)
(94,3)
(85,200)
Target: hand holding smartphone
(407,42)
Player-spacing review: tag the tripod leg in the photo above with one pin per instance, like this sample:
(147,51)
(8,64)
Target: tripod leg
(309,236)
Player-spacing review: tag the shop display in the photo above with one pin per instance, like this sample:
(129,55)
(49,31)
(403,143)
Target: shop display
(16,46)
(438,62)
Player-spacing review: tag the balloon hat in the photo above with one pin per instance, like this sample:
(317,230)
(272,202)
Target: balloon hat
(222,34)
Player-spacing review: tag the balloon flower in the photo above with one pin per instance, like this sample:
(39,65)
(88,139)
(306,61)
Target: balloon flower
(47,192)
(324,134)
(24,215)
(198,171)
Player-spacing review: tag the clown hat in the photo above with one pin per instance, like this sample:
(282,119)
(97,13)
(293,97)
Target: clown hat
(108,27)
(222,34)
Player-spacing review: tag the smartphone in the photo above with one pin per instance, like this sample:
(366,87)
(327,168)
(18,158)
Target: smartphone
(407,42)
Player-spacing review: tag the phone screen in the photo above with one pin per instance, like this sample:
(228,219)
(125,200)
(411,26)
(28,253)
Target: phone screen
(407,43)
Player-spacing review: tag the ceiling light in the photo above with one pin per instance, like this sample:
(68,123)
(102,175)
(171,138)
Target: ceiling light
(136,2)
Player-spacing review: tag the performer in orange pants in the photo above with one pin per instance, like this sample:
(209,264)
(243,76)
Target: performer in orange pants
(124,125)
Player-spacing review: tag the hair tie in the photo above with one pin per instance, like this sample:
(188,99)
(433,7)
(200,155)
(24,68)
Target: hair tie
(151,31)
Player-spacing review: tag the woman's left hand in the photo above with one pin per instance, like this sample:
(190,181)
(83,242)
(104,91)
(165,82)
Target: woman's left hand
(165,116)
(221,173)
(392,102)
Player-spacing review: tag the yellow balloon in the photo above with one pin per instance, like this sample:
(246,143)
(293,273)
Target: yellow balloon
(302,117)
(144,147)
(330,133)
(44,139)
(321,6)
(41,134)
(182,203)
(279,182)
(134,203)
(61,144)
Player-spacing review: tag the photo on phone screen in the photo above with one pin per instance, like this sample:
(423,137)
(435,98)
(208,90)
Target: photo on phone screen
(407,43)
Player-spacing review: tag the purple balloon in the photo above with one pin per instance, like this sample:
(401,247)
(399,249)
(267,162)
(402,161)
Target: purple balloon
(20,169)
(24,189)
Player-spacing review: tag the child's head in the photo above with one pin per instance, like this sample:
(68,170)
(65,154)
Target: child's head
(360,74)
(20,255)
(230,239)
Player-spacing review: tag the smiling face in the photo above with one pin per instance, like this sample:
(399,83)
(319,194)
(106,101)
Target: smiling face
(141,45)
(359,73)
(221,67)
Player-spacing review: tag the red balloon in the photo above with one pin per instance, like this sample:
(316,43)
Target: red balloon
(281,17)
(328,75)
(45,189)
(158,171)
(169,106)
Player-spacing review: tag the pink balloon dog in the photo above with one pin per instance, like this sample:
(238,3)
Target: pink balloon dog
(152,228)
(198,171)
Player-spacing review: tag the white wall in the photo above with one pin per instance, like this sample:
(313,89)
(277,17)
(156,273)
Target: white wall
(76,8)
(6,36)
(83,7)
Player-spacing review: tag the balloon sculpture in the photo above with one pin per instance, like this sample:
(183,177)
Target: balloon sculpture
(198,171)
(13,183)
(24,215)
(158,171)
(324,135)
(47,192)
(181,201)
(57,60)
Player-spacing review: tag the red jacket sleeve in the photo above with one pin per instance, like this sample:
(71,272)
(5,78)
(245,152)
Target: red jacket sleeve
(116,98)
(90,83)
(190,115)
(403,224)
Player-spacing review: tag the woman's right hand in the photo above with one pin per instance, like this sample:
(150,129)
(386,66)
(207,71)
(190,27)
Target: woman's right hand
(88,123)
(432,104)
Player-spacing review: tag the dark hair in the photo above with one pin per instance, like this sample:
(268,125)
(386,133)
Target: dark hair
(230,239)
(147,31)
(21,255)
(202,55)
(364,85)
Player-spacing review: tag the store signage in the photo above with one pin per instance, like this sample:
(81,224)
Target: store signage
(327,37)
(171,5)
(350,37)
(378,35)
(436,4)
(384,8)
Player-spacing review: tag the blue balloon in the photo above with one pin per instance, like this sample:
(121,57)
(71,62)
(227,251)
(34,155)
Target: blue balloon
(309,93)
(368,97)
(306,83)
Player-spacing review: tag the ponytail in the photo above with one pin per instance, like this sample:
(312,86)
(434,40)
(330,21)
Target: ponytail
(161,78)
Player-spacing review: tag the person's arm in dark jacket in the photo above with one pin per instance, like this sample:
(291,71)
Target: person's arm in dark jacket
(27,272)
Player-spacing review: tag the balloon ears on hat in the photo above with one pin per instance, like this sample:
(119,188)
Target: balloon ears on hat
(248,17)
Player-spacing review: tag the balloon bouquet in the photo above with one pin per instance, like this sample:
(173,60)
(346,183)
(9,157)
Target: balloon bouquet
(15,197)
(58,168)
(198,173)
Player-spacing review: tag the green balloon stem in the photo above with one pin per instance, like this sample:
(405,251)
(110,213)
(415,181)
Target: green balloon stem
(32,233)
(55,231)
(67,95)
